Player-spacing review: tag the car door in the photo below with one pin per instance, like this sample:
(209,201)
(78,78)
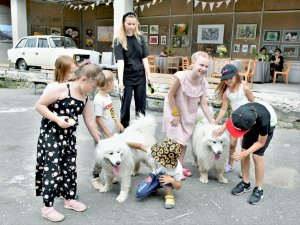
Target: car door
(43,52)
(29,52)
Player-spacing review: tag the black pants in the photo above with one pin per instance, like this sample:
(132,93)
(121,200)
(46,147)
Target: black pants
(139,99)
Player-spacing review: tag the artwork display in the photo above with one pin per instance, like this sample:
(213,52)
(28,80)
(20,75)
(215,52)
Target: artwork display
(176,42)
(144,29)
(270,48)
(145,37)
(185,41)
(246,31)
(153,29)
(253,49)
(290,50)
(153,40)
(105,33)
(244,48)
(55,31)
(210,34)
(73,33)
(5,33)
(237,48)
(180,29)
(163,40)
(39,30)
(272,35)
(291,36)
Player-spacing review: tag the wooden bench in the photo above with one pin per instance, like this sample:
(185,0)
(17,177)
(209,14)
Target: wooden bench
(161,82)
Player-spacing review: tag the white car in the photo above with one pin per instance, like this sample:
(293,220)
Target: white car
(43,50)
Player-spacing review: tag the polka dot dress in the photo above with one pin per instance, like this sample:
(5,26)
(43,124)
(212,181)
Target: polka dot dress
(56,153)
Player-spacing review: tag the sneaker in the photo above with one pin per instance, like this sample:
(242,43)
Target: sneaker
(256,196)
(169,202)
(240,188)
(75,205)
(51,214)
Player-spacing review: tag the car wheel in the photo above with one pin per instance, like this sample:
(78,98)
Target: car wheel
(22,65)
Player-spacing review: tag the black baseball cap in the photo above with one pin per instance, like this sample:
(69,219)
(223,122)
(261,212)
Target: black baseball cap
(228,71)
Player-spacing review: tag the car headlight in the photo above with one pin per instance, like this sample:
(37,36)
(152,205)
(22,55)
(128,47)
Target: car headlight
(77,58)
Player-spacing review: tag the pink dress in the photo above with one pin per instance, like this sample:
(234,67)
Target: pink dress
(187,99)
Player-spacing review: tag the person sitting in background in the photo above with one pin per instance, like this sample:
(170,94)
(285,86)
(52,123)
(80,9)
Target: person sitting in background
(210,50)
(276,62)
(164,52)
(262,55)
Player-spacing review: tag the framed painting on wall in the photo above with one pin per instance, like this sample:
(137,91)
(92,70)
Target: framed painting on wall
(145,37)
(210,34)
(246,31)
(55,30)
(105,33)
(270,48)
(180,29)
(176,42)
(144,29)
(153,29)
(163,40)
(237,48)
(291,36)
(244,48)
(253,49)
(290,50)
(153,40)
(5,33)
(185,41)
(272,35)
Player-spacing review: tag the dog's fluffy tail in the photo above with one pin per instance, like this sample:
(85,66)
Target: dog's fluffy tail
(144,123)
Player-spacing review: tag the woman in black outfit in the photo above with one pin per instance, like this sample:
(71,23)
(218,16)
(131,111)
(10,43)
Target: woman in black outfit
(276,62)
(133,69)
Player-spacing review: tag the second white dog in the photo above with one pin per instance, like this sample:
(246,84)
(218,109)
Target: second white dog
(209,152)
(119,160)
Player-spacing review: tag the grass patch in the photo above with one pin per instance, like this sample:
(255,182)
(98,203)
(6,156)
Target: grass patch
(10,83)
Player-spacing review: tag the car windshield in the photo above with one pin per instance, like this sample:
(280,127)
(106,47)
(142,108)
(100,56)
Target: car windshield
(62,42)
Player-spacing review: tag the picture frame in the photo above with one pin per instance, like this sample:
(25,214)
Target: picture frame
(145,38)
(6,33)
(253,49)
(55,31)
(290,50)
(291,36)
(185,41)
(210,34)
(244,48)
(246,31)
(180,29)
(105,33)
(176,42)
(270,48)
(144,29)
(163,40)
(153,29)
(237,48)
(272,35)
(153,40)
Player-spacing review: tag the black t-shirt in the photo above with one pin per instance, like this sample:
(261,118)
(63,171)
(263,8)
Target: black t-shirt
(280,65)
(134,72)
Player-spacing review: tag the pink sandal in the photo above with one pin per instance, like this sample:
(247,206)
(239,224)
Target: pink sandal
(75,205)
(187,172)
(51,214)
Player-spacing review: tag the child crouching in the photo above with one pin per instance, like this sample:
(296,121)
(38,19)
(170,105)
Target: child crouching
(167,173)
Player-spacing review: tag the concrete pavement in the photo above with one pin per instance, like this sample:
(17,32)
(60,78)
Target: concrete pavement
(196,203)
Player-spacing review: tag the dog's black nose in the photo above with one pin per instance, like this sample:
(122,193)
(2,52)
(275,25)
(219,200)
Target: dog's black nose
(219,152)
(118,163)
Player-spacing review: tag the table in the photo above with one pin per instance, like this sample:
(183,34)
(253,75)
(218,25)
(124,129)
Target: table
(262,72)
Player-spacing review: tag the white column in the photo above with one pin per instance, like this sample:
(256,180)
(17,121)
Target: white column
(120,8)
(18,19)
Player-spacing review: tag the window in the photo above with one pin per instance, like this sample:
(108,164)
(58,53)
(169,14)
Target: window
(43,43)
(31,43)
(21,43)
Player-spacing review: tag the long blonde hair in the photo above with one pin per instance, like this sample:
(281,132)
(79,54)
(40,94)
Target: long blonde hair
(196,56)
(121,36)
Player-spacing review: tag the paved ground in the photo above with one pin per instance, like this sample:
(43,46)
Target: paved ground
(196,203)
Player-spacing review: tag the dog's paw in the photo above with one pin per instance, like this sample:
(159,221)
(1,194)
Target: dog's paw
(223,180)
(194,163)
(121,198)
(203,180)
(104,189)
(133,174)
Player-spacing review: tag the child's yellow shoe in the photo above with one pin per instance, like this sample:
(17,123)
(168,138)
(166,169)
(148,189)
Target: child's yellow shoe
(169,202)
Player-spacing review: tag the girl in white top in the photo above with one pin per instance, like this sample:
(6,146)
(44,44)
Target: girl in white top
(233,92)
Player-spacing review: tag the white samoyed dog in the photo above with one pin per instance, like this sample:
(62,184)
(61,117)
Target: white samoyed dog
(118,160)
(210,153)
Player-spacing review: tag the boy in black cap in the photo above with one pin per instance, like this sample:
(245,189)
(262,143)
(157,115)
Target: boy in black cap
(256,122)
(168,170)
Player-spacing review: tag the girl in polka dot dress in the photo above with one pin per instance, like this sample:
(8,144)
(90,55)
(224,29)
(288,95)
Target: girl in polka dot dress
(60,105)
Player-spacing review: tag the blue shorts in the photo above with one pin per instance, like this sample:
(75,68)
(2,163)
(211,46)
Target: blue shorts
(148,185)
